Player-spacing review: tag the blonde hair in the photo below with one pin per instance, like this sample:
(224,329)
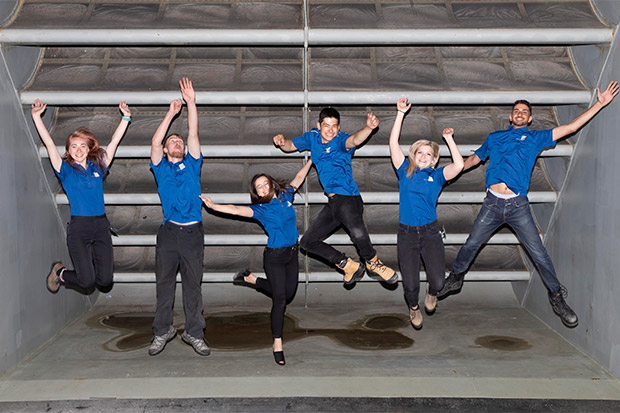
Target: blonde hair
(414,148)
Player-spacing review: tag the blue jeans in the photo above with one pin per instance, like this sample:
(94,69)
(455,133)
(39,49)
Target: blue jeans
(415,242)
(341,210)
(516,213)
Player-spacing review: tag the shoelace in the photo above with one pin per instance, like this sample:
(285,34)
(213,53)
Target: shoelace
(564,291)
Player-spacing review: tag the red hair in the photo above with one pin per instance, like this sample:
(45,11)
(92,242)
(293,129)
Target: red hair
(95,153)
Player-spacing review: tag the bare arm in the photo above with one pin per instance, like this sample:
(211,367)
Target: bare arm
(243,211)
(189,96)
(359,137)
(396,153)
(470,162)
(285,144)
(37,110)
(110,150)
(157,150)
(455,168)
(301,175)
(603,100)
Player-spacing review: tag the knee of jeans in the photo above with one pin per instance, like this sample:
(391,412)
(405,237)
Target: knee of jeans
(358,233)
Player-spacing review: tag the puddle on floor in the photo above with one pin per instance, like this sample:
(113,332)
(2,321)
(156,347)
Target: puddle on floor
(249,331)
(503,343)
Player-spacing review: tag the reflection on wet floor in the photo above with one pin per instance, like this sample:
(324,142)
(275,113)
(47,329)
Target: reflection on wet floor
(249,331)
(503,343)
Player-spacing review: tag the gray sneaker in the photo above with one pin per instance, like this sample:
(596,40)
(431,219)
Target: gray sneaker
(159,342)
(199,344)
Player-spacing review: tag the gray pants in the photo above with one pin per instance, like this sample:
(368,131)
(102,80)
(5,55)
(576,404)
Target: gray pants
(179,247)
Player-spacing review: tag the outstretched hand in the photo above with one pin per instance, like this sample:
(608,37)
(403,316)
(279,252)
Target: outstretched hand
(403,105)
(37,108)
(187,90)
(175,106)
(608,95)
(124,108)
(279,140)
(372,121)
(447,133)
(207,201)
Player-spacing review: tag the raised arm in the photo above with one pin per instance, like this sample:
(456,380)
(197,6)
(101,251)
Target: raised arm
(285,144)
(189,96)
(603,100)
(110,150)
(471,161)
(157,150)
(243,211)
(301,175)
(455,168)
(37,110)
(396,153)
(359,137)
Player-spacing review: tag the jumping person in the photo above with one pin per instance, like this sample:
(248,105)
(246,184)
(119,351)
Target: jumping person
(272,207)
(419,234)
(81,172)
(512,154)
(180,239)
(331,151)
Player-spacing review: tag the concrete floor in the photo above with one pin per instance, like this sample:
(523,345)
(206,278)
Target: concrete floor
(464,350)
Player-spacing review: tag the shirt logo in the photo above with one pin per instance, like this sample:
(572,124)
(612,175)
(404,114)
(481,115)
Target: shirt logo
(181,166)
(328,149)
(96,174)
(430,179)
(288,203)
(522,138)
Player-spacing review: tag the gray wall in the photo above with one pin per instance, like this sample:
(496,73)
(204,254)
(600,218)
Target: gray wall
(32,237)
(584,232)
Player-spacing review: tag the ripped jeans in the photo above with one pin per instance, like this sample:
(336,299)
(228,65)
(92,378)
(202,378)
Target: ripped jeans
(516,213)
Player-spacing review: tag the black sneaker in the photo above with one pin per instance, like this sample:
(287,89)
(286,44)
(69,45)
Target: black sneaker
(239,278)
(560,308)
(454,283)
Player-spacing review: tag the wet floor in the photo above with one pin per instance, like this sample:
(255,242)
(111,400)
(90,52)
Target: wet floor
(249,331)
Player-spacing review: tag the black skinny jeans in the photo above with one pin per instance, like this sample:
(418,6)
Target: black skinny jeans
(415,242)
(90,246)
(282,271)
(344,210)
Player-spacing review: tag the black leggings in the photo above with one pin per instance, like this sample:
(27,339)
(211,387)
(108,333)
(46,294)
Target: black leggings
(90,246)
(282,270)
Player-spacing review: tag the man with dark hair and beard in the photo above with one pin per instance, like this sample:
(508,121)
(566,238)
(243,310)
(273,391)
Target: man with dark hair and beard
(512,154)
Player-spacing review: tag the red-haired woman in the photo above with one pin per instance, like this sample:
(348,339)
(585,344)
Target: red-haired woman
(81,172)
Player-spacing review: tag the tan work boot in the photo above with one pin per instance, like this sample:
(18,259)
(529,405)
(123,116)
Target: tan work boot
(379,271)
(416,317)
(430,302)
(353,270)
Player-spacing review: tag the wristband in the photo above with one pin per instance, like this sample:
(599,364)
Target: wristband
(127,118)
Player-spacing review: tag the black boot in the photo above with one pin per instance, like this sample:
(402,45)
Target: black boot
(454,283)
(568,316)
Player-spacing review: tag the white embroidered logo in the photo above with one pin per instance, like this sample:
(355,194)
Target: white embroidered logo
(288,203)
(96,174)
(328,149)
(181,166)
(523,137)
(430,179)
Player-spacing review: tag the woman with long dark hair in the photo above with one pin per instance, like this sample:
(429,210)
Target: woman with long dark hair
(81,172)
(272,206)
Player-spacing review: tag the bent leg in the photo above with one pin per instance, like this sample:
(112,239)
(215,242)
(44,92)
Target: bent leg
(320,228)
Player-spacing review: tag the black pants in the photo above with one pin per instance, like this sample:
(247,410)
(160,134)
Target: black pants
(415,242)
(282,270)
(90,246)
(179,247)
(347,211)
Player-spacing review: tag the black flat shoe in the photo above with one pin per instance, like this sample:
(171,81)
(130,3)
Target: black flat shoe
(239,278)
(279,358)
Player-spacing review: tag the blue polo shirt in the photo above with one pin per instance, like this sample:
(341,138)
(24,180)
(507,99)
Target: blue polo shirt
(418,194)
(279,220)
(512,154)
(332,161)
(178,185)
(84,188)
